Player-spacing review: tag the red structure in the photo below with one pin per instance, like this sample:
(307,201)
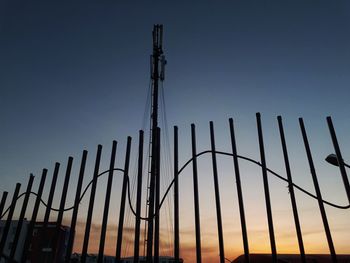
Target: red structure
(49,243)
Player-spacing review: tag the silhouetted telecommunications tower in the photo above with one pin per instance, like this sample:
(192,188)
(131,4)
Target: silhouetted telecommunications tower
(153,193)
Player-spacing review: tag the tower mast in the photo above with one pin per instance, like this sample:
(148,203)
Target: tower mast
(157,74)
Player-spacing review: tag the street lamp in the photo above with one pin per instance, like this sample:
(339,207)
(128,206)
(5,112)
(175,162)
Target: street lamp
(332,159)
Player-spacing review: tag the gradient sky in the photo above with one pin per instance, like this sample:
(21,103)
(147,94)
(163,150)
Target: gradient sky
(76,74)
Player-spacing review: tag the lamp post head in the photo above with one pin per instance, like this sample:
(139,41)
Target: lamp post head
(332,159)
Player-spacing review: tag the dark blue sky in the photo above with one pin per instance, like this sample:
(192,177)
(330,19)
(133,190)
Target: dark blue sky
(75,74)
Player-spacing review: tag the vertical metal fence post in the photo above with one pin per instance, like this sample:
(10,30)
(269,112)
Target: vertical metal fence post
(122,202)
(107,201)
(2,203)
(291,191)
(239,192)
(91,205)
(138,200)
(51,194)
(266,190)
(21,217)
(196,196)
(55,238)
(76,208)
(217,194)
(157,216)
(339,157)
(64,192)
(176,197)
(45,240)
(34,216)
(9,219)
(318,192)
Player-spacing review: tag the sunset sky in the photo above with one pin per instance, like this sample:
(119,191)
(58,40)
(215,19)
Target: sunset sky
(76,74)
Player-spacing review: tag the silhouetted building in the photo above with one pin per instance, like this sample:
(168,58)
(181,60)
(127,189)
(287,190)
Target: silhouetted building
(49,244)
(292,258)
(10,238)
(46,244)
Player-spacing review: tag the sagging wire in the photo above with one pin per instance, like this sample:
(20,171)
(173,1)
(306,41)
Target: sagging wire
(172,182)
(145,119)
(167,168)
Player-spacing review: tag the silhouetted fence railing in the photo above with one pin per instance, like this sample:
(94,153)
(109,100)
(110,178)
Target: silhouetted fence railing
(8,207)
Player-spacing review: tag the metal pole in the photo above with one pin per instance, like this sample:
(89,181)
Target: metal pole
(318,192)
(122,202)
(217,194)
(339,157)
(239,192)
(138,200)
(45,240)
(291,191)
(157,51)
(64,192)
(196,197)
(21,217)
(76,208)
(51,194)
(34,216)
(157,216)
(266,190)
(2,203)
(176,197)
(107,201)
(52,256)
(91,205)
(9,219)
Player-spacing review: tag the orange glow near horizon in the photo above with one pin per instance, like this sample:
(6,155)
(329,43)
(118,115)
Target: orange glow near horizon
(259,243)
(312,228)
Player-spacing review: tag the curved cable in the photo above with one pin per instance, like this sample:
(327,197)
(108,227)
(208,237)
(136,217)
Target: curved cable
(65,209)
(172,182)
(259,164)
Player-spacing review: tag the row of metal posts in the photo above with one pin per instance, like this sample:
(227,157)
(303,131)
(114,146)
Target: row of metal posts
(62,209)
(176,198)
(266,190)
(217,195)
(53,242)
(76,206)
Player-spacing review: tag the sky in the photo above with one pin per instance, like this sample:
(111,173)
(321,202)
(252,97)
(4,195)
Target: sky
(76,74)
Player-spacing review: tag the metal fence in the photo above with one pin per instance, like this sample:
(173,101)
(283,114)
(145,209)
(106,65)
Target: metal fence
(7,208)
